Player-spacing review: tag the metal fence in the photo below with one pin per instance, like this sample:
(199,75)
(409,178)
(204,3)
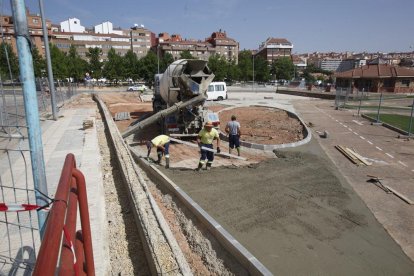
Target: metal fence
(19,234)
(389,108)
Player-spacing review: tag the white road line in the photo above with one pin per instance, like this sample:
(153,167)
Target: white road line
(363,138)
(369,142)
(336,121)
(379,148)
(341,124)
(356,133)
(357,122)
(345,126)
(402,163)
(390,155)
(350,129)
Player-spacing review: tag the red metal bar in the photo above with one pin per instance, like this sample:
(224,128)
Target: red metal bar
(84,216)
(79,249)
(49,250)
(67,258)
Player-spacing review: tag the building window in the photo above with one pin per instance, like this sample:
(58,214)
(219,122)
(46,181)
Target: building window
(405,83)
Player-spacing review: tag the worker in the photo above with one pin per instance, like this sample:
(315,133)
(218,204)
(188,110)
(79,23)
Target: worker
(162,142)
(205,139)
(233,130)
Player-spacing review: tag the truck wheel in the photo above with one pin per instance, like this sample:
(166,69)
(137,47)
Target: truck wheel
(220,98)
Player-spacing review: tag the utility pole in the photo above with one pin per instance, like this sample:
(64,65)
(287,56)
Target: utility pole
(48,62)
(30,103)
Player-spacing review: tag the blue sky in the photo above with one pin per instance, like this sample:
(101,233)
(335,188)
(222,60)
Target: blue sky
(311,25)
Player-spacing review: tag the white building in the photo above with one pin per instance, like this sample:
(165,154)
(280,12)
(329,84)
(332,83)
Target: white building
(106,28)
(72,25)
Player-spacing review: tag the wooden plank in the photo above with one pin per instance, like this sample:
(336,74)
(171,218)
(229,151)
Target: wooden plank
(347,155)
(207,149)
(361,158)
(403,197)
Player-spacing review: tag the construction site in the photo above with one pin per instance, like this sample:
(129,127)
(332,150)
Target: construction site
(317,189)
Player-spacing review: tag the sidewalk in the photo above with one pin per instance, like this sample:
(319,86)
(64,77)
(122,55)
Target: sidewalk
(66,135)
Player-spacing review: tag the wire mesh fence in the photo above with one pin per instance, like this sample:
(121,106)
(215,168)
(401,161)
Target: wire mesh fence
(388,108)
(20,240)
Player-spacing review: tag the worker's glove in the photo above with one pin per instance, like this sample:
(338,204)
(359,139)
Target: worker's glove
(218,150)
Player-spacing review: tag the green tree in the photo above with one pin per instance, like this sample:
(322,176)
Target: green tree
(95,65)
(166,60)
(7,51)
(261,69)
(113,68)
(233,71)
(39,63)
(284,68)
(77,67)
(219,66)
(148,67)
(130,65)
(186,55)
(245,65)
(59,62)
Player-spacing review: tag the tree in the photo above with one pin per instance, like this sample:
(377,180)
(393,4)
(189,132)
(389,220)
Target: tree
(245,65)
(59,64)
(148,67)
(95,65)
(130,65)
(77,67)
(7,51)
(113,68)
(284,68)
(166,60)
(261,69)
(233,71)
(218,65)
(186,55)
(39,63)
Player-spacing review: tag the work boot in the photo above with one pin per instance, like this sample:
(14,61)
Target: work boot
(159,158)
(200,165)
(167,163)
(208,167)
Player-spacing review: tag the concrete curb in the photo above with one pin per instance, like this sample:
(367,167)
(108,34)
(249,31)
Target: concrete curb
(246,259)
(308,133)
(161,249)
(396,129)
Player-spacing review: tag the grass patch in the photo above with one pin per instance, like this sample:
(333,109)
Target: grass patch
(400,121)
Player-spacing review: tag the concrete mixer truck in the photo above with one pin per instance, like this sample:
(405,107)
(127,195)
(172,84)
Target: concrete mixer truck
(179,96)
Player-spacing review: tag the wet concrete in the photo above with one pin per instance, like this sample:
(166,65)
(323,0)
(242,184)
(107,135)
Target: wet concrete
(297,215)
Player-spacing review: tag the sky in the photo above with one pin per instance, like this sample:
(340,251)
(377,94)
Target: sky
(311,25)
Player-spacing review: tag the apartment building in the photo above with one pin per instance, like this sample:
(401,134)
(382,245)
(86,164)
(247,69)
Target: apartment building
(217,43)
(275,48)
(34,22)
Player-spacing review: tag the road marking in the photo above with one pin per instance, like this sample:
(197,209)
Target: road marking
(390,155)
(369,142)
(356,133)
(341,124)
(402,163)
(363,138)
(336,121)
(379,148)
(350,129)
(345,126)
(357,122)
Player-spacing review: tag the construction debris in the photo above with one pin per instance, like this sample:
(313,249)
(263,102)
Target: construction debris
(377,181)
(87,124)
(121,116)
(353,156)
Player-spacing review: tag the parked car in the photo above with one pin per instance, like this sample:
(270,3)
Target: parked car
(138,87)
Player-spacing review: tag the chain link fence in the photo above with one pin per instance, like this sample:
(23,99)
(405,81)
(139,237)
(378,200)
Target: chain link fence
(20,240)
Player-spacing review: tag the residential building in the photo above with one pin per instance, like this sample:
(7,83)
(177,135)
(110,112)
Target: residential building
(378,78)
(72,25)
(275,48)
(34,22)
(217,43)
(106,28)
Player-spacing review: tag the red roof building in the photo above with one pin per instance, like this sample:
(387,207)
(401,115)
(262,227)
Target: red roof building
(378,78)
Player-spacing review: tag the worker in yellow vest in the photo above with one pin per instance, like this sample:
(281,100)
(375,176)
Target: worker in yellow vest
(162,142)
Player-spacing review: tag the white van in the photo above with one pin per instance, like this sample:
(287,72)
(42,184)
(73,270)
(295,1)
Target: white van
(217,91)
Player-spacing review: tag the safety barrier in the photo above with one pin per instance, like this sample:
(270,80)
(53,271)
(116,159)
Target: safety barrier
(75,251)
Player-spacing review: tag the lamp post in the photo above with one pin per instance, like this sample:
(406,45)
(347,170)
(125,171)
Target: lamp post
(158,57)
(253,73)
